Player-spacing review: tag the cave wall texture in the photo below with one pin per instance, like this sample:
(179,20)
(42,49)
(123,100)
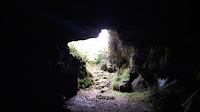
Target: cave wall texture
(35,58)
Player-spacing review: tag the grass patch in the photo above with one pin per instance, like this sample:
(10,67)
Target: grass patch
(118,78)
(89,71)
(140,95)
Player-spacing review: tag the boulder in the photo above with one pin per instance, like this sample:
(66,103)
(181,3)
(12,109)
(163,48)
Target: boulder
(124,86)
(104,67)
(111,69)
(139,84)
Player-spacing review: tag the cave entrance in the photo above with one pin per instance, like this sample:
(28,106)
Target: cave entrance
(93,56)
(104,79)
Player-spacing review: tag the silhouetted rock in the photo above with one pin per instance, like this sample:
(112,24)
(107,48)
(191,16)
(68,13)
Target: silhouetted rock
(104,67)
(111,69)
(124,86)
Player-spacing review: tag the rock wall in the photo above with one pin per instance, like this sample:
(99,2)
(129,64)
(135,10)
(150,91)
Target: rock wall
(170,61)
(170,68)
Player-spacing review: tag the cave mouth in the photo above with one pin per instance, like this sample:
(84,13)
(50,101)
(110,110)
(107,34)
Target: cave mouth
(100,80)
(92,54)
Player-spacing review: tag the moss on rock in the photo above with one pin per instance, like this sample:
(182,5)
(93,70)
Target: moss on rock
(117,79)
(85,82)
(85,76)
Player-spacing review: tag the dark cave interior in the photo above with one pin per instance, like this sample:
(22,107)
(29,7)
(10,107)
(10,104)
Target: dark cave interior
(34,35)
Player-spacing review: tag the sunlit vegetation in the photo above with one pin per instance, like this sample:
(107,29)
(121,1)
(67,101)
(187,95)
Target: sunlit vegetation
(140,95)
(118,78)
(91,51)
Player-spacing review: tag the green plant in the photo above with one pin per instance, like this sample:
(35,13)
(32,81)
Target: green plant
(85,77)
(118,78)
(117,70)
(102,57)
(89,72)
(72,47)
(140,95)
(85,82)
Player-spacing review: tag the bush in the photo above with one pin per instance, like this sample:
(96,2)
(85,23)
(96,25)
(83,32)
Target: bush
(101,58)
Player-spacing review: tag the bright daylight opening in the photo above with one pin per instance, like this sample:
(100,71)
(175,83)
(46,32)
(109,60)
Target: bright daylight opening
(92,54)
(90,50)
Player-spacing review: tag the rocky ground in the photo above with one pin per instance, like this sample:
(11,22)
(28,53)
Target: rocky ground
(100,97)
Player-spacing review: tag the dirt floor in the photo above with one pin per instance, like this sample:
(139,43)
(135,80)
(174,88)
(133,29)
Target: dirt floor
(101,98)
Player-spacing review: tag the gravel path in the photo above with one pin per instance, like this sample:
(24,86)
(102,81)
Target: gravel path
(92,101)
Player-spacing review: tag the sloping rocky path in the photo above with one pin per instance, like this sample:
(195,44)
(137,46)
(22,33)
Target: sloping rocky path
(101,98)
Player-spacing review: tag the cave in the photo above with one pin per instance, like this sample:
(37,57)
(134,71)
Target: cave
(155,42)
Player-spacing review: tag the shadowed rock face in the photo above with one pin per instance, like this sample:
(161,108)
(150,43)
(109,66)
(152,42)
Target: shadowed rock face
(35,57)
(139,84)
